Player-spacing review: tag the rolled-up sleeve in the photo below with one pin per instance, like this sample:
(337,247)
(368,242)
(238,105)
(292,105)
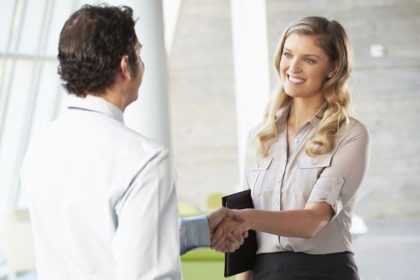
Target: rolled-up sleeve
(338,183)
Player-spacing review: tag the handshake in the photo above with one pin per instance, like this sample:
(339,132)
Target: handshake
(228,230)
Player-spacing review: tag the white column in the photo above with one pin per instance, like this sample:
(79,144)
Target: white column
(250,54)
(149,115)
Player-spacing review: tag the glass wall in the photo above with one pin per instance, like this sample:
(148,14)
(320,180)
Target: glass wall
(30,90)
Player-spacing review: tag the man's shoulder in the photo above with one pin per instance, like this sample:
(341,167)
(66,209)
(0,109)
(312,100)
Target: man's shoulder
(95,137)
(135,141)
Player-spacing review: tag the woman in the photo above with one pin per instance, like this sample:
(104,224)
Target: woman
(307,160)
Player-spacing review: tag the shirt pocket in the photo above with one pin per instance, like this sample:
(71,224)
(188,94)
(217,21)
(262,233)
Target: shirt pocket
(257,172)
(308,171)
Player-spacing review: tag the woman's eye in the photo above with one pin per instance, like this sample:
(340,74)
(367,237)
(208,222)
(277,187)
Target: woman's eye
(288,55)
(310,61)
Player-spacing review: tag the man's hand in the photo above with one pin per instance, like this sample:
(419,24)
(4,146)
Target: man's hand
(216,217)
(227,232)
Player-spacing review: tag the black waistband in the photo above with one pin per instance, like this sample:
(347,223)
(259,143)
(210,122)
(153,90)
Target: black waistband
(299,266)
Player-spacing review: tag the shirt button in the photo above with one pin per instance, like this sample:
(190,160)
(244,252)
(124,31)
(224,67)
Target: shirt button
(314,161)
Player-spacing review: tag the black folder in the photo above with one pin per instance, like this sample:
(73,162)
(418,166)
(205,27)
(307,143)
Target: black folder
(242,259)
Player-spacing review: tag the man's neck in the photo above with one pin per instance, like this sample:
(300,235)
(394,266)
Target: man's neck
(116,100)
(115,96)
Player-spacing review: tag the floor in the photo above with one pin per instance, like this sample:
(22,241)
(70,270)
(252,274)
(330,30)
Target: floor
(389,251)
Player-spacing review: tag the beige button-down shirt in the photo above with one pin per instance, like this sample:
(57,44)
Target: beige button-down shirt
(288,182)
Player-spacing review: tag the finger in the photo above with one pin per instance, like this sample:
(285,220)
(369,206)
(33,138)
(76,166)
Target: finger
(216,217)
(216,243)
(238,236)
(218,234)
(227,246)
(224,249)
(234,246)
(235,243)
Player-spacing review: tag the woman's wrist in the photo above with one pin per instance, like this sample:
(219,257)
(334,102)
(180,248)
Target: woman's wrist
(246,217)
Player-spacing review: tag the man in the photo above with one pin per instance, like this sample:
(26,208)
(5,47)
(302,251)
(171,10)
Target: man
(102,197)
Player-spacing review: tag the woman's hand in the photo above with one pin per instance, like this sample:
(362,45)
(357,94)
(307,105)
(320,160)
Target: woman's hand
(229,234)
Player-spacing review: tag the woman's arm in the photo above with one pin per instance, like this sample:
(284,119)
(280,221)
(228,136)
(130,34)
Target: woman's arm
(305,223)
(243,276)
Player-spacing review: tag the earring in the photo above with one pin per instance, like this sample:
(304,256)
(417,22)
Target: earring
(330,76)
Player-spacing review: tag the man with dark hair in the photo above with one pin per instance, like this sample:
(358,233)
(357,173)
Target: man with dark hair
(102,197)
(91,44)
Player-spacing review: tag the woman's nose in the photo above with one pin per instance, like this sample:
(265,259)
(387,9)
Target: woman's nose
(294,66)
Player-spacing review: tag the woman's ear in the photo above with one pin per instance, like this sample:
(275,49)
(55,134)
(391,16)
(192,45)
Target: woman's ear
(333,71)
(125,67)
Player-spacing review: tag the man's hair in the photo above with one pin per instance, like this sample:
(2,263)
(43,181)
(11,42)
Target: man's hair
(92,42)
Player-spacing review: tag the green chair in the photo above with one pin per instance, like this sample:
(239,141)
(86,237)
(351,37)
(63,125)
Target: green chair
(203,264)
(186,210)
(214,201)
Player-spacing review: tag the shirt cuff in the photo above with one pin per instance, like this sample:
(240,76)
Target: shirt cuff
(327,189)
(195,233)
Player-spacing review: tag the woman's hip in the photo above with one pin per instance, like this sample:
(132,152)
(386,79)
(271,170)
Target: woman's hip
(296,266)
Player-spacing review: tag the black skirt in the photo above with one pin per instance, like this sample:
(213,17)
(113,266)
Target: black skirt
(301,266)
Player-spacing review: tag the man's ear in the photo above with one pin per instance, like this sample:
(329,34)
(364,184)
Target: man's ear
(125,68)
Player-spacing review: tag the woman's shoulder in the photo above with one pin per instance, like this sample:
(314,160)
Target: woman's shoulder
(255,130)
(354,128)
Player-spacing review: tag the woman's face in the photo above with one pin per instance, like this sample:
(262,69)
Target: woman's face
(304,66)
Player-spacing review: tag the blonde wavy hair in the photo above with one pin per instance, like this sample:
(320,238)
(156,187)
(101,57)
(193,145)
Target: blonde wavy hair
(334,41)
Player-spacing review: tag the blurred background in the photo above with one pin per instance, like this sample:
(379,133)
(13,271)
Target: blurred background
(209,74)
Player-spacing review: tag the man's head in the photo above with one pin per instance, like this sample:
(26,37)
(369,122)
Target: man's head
(92,44)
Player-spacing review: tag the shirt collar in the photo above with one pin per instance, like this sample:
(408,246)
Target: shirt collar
(283,113)
(318,115)
(96,104)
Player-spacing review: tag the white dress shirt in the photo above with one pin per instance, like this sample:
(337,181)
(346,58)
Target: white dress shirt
(102,198)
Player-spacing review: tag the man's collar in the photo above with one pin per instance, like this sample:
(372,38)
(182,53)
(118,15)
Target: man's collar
(96,104)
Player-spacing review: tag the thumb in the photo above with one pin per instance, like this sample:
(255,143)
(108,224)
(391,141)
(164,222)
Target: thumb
(216,217)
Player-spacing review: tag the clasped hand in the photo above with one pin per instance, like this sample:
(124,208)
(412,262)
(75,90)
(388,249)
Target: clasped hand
(227,232)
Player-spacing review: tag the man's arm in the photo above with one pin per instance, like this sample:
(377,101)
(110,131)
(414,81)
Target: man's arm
(195,232)
(146,241)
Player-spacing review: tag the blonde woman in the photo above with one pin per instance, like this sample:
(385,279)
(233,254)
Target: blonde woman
(307,160)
